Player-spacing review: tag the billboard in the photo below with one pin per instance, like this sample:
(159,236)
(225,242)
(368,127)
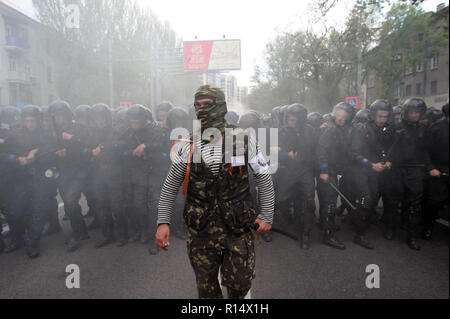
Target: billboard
(212,55)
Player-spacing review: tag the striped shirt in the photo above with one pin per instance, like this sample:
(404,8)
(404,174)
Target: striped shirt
(212,155)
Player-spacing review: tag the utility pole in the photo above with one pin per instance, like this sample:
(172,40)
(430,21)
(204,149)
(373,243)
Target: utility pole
(359,57)
(150,63)
(110,64)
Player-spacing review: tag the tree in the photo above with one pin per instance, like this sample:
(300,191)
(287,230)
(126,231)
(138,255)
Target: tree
(406,39)
(82,54)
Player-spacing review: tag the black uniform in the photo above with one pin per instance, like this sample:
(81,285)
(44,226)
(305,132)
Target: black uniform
(436,189)
(333,159)
(33,188)
(297,174)
(73,168)
(369,145)
(107,175)
(410,159)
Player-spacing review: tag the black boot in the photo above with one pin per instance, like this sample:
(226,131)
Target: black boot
(32,249)
(122,241)
(12,246)
(427,233)
(330,239)
(103,242)
(306,241)
(389,233)
(363,241)
(2,243)
(413,227)
(413,243)
(72,245)
(107,232)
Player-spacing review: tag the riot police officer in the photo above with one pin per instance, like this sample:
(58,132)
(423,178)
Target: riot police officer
(32,157)
(436,183)
(139,145)
(297,170)
(106,156)
(160,112)
(370,142)
(410,158)
(74,156)
(361,117)
(332,157)
(397,114)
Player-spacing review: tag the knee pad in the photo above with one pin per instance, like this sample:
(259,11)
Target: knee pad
(310,205)
(365,202)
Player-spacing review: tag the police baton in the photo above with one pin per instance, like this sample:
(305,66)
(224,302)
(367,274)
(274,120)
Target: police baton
(342,195)
(255,227)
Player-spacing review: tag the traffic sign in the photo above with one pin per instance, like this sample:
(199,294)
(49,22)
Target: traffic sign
(352,100)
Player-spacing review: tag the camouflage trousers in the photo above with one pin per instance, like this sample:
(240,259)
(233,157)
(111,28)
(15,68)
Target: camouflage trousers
(219,249)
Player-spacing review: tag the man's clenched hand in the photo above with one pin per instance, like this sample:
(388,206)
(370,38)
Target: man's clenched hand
(163,236)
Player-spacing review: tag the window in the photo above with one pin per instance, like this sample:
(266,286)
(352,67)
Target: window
(27,68)
(12,64)
(419,68)
(434,62)
(408,90)
(49,75)
(409,70)
(419,89)
(433,88)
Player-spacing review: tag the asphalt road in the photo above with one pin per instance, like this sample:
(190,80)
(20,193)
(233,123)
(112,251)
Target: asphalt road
(283,269)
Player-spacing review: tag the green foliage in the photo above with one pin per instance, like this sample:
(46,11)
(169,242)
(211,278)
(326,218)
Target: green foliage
(319,70)
(407,38)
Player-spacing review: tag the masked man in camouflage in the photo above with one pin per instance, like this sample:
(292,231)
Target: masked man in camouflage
(219,206)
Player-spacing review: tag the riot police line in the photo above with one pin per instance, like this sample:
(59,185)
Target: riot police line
(119,158)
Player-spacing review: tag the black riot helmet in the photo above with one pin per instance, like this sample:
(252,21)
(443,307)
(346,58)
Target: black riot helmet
(275,116)
(149,113)
(445,109)
(315,119)
(61,108)
(343,106)
(362,116)
(137,113)
(177,117)
(250,119)
(10,117)
(163,106)
(232,118)
(102,111)
(299,112)
(32,111)
(328,117)
(379,105)
(82,114)
(433,114)
(397,110)
(413,104)
(283,111)
(119,117)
